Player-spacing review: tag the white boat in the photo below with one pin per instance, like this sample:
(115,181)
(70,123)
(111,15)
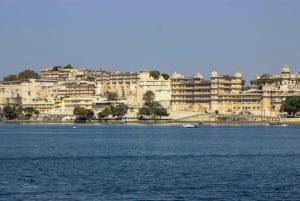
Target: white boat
(189,126)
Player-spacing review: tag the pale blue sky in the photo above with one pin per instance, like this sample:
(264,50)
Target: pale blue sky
(186,36)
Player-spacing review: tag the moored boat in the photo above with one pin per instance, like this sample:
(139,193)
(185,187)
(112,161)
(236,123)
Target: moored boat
(189,126)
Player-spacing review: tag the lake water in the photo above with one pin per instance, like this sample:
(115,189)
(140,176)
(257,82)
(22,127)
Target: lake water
(125,162)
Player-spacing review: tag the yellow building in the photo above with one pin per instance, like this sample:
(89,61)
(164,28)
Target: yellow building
(190,93)
(75,88)
(161,88)
(58,73)
(275,88)
(196,94)
(37,93)
(65,89)
(124,84)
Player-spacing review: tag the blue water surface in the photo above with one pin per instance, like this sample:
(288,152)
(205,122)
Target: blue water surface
(126,162)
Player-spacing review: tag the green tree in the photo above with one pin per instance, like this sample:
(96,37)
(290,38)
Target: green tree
(144,111)
(55,68)
(68,66)
(165,76)
(28,74)
(120,110)
(151,107)
(80,112)
(19,112)
(90,114)
(155,74)
(28,112)
(160,111)
(10,77)
(291,105)
(104,113)
(9,112)
(111,96)
(36,112)
(148,97)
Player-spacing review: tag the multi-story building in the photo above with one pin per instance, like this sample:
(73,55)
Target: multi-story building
(75,88)
(197,94)
(101,77)
(161,88)
(190,93)
(58,73)
(223,91)
(37,93)
(124,84)
(65,89)
(273,89)
(132,86)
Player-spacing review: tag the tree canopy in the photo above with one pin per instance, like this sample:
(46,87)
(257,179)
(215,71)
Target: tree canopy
(24,75)
(68,66)
(144,111)
(80,112)
(28,74)
(9,112)
(90,114)
(165,76)
(104,113)
(10,77)
(151,107)
(291,105)
(160,111)
(120,110)
(148,97)
(155,74)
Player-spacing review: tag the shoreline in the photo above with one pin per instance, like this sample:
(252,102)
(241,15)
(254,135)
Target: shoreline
(146,122)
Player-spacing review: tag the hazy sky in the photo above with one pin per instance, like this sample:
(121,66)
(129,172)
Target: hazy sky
(186,36)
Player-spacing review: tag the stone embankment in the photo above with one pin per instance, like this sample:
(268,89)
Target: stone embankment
(179,118)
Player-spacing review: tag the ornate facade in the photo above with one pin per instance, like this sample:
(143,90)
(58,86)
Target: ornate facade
(196,94)
(63,89)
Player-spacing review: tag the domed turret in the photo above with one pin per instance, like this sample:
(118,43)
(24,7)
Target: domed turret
(214,74)
(177,75)
(285,69)
(238,74)
(198,75)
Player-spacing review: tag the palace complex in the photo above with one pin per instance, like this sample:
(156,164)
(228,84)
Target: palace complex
(60,90)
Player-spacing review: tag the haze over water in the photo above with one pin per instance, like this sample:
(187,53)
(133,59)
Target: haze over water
(124,162)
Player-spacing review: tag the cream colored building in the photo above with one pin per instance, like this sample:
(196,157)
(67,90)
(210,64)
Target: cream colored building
(199,95)
(190,93)
(63,89)
(37,93)
(75,88)
(132,86)
(224,90)
(160,87)
(58,73)
(273,89)
(124,84)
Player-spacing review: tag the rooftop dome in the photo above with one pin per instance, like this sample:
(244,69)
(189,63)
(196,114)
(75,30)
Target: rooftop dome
(214,74)
(285,69)
(198,75)
(238,74)
(176,75)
